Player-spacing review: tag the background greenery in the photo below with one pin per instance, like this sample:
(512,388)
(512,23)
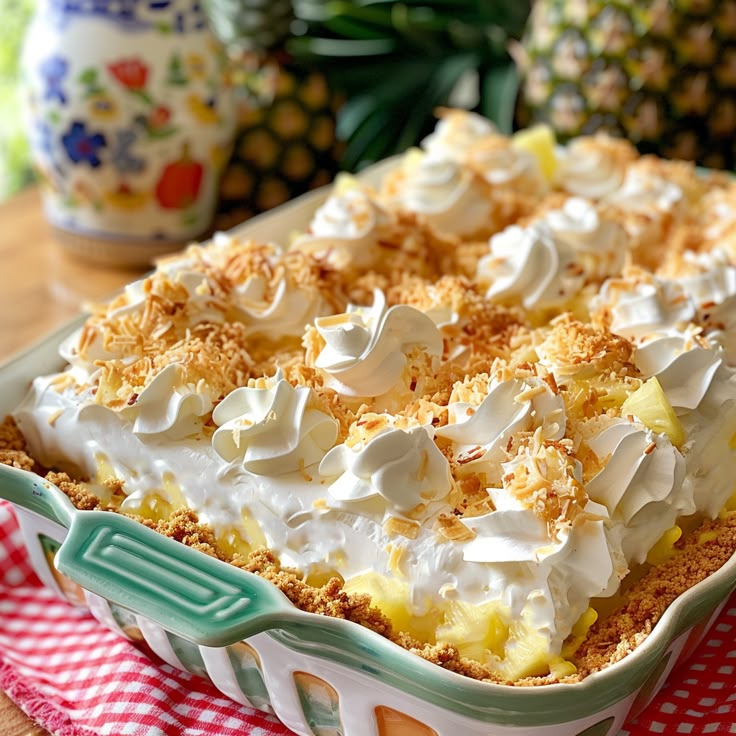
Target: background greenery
(14,161)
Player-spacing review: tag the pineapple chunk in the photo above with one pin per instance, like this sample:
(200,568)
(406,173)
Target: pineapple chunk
(580,630)
(152,506)
(320,577)
(650,406)
(345,182)
(730,504)
(559,667)
(391,597)
(527,653)
(474,630)
(665,547)
(539,141)
(412,158)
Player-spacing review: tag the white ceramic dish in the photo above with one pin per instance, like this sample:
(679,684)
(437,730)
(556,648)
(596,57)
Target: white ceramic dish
(320,676)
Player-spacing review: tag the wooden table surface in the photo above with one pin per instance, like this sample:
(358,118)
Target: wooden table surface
(42,287)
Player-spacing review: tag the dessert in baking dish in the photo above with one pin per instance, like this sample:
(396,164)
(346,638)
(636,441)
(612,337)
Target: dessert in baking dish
(480,393)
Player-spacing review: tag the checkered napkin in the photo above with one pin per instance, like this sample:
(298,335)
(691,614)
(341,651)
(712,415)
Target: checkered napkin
(76,678)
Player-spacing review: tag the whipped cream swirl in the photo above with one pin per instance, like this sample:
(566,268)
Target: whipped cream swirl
(644,192)
(684,368)
(283,311)
(456,134)
(639,310)
(445,193)
(344,230)
(586,169)
(169,406)
(480,436)
(272,428)
(600,244)
(531,267)
(500,163)
(84,347)
(401,465)
(641,484)
(366,348)
(712,288)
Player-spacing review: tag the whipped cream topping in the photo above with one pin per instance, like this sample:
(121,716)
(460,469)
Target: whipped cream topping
(283,311)
(641,309)
(600,244)
(456,134)
(344,230)
(720,214)
(547,263)
(501,164)
(684,368)
(272,427)
(83,348)
(641,481)
(511,535)
(584,556)
(401,465)
(578,560)
(480,435)
(711,277)
(170,406)
(586,169)
(366,348)
(445,193)
(645,192)
(710,282)
(529,266)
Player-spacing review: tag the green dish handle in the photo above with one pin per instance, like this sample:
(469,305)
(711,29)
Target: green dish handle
(187,592)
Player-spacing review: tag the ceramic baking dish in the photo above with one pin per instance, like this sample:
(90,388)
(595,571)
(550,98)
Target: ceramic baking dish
(321,676)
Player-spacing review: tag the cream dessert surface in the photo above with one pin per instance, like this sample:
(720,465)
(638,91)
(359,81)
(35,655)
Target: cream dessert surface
(463,393)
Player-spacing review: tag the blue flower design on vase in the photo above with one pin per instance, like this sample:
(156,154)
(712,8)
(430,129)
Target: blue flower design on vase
(44,138)
(53,70)
(82,146)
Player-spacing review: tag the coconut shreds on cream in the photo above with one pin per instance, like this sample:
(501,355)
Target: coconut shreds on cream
(435,391)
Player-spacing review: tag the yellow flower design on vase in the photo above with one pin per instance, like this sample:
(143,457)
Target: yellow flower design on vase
(126,198)
(102,106)
(195,66)
(201,111)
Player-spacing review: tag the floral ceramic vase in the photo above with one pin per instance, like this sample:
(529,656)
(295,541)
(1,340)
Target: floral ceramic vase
(130,122)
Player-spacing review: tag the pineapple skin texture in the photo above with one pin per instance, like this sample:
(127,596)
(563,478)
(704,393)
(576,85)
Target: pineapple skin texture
(285,142)
(661,73)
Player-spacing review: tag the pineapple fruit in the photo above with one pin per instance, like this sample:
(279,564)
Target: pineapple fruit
(660,72)
(391,597)
(474,630)
(650,406)
(285,142)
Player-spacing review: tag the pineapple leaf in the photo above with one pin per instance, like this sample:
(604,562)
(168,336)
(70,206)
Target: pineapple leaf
(331,47)
(409,57)
(499,86)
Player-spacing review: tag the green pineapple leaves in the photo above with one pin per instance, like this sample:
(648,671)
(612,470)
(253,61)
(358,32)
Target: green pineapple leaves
(396,62)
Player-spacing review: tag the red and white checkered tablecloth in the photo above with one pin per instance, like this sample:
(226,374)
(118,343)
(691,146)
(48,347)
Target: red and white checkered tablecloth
(76,678)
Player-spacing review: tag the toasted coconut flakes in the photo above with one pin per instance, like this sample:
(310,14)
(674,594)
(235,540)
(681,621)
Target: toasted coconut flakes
(395,525)
(529,394)
(452,529)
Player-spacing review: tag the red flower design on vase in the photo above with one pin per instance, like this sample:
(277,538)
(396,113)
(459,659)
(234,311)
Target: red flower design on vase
(180,181)
(158,122)
(131,73)
(159,117)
